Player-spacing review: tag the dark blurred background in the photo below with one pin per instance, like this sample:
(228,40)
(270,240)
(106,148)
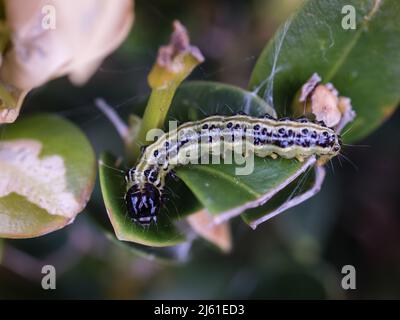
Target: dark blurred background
(354,220)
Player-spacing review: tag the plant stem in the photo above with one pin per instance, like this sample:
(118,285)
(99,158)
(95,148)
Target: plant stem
(174,63)
(154,116)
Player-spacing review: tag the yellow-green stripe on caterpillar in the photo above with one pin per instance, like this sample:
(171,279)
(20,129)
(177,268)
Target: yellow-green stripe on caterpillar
(265,136)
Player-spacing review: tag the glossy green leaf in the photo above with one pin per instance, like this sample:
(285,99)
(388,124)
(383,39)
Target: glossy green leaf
(168,255)
(47,167)
(194,100)
(226,194)
(281,201)
(165,233)
(362,63)
(218,187)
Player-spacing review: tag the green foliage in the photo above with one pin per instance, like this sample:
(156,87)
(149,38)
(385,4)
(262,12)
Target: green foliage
(164,233)
(313,40)
(52,151)
(362,63)
(217,186)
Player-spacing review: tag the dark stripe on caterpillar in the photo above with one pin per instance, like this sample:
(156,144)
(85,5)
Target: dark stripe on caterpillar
(266,136)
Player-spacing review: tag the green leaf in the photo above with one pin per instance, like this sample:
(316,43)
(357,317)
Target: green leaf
(226,194)
(163,255)
(298,191)
(196,100)
(363,64)
(47,167)
(217,186)
(165,233)
(193,100)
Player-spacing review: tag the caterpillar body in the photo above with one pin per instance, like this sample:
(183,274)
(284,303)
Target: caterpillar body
(265,136)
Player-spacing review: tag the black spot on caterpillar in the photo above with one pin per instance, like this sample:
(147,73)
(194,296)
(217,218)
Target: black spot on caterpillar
(266,136)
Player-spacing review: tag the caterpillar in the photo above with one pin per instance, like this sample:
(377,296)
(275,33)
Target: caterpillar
(265,136)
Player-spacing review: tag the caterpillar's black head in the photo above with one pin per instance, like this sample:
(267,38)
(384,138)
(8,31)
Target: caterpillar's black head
(143,204)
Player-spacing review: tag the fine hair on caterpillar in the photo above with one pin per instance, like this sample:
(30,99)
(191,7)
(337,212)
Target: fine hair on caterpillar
(218,136)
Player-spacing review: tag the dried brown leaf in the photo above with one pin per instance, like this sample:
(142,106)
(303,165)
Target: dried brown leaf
(219,234)
(84,33)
